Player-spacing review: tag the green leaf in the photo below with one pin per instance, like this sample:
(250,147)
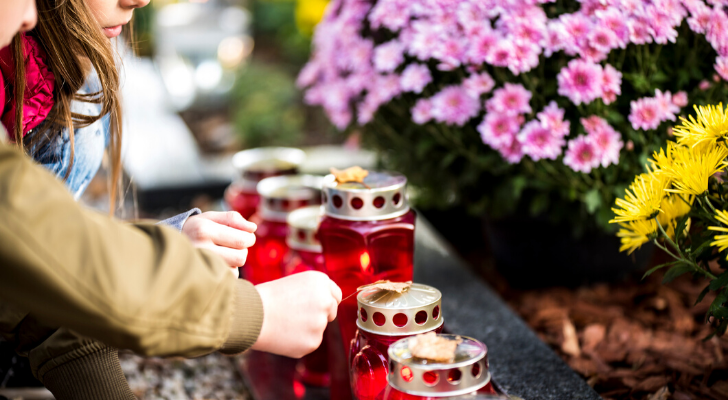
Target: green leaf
(653,269)
(720,282)
(720,299)
(539,204)
(448,159)
(702,295)
(680,227)
(519,183)
(593,200)
(676,271)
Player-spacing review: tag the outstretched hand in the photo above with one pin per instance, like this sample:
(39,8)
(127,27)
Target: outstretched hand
(226,233)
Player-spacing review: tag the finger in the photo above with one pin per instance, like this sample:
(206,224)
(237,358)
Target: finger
(235,271)
(335,291)
(233,257)
(225,236)
(332,311)
(232,219)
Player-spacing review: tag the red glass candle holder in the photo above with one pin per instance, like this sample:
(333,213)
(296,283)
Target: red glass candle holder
(305,255)
(467,377)
(367,234)
(385,317)
(255,165)
(279,197)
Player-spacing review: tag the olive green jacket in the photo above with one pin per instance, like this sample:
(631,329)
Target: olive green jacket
(141,287)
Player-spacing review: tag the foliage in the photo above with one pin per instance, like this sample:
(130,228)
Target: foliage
(680,204)
(505,107)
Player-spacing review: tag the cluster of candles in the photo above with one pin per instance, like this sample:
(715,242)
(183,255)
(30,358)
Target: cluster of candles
(357,233)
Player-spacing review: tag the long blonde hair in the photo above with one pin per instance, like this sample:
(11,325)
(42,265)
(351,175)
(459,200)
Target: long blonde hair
(74,43)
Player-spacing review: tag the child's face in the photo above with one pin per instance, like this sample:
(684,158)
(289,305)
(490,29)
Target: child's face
(112,15)
(16,16)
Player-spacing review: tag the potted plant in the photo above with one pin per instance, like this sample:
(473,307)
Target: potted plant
(535,114)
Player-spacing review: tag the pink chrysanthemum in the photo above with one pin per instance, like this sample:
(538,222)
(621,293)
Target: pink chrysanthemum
(415,77)
(478,84)
(662,27)
(512,152)
(680,99)
(721,67)
(538,142)
(614,20)
(603,39)
(453,105)
(552,118)
(581,155)
(704,85)
(500,54)
(667,108)
(358,55)
(611,84)
(576,27)
(388,56)
(481,45)
(607,142)
(555,37)
(422,111)
(580,81)
(700,18)
(593,124)
(645,113)
(640,31)
(340,118)
(525,58)
(510,99)
(499,130)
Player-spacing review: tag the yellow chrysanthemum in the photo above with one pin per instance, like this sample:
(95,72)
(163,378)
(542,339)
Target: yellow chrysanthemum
(642,199)
(711,125)
(673,207)
(692,167)
(636,233)
(662,159)
(720,240)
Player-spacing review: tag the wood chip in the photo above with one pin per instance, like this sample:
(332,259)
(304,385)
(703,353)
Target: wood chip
(399,287)
(571,342)
(651,384)
(433,348)
(661,394)
(353,174)
(593,335)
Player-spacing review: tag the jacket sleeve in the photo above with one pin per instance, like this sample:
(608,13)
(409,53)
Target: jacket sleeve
(141,287)
(178,221)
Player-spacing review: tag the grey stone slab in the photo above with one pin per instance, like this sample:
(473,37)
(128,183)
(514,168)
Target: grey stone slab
(521,364)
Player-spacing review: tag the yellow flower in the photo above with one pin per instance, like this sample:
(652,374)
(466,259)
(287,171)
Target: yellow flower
(711,125)
(636,233)
(642,199)
(720,240)
(662,160)
(673,207)
(692,167)
(309,14)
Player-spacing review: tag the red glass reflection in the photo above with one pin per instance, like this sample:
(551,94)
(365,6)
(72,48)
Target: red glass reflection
(265,258)
(369,363)
(391,393)
(241,200)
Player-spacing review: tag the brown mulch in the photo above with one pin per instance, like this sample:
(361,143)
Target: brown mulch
(632,340)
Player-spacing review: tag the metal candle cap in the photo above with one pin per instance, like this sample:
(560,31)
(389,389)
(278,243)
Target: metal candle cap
(388,313)
(282,194)
(302,227)
(256,164)
(384,198)
(418,377)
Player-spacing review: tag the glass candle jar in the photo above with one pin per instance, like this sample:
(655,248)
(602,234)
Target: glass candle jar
(255,165)
(305,255)
(280,196)
(415,379)
(385,317)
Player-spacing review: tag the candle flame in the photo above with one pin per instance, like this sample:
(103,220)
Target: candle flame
(365,261)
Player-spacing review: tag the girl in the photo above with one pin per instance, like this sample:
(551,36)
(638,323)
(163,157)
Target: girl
(62,105)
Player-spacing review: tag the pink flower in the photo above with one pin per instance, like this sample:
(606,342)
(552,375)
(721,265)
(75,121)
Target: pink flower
(555,37)
(453,105)
(603,39)
(423,40)
(384,88)
(340,118)
(308,75)
(680,99)
(662,27)
(415,77)
(615,21)
(422,111)
(478,84)
(552,118)
(576,27)
(606,140)
(580,81)
(481,45)
(393,15)
(645,113)
(510,99)
(500,54)
(525,58)
(357,55)
(451,52)
(366,109)
(704,85)
(499,130)
(667,108)
(721,67)
(388,56)
(640,31)
(700,18)
(512,152)
(538,142)
(581,155)
(611,84)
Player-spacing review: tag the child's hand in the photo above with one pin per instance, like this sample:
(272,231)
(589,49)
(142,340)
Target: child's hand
(296,310)
(226,233)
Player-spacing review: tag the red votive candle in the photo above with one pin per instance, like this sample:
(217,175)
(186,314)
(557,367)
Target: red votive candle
(384,318)
(468,377)
(280,196)
(305,255)
(255,165)
(367,234)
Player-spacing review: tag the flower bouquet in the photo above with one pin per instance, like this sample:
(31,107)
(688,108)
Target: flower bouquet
(533,107)
(681,204)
